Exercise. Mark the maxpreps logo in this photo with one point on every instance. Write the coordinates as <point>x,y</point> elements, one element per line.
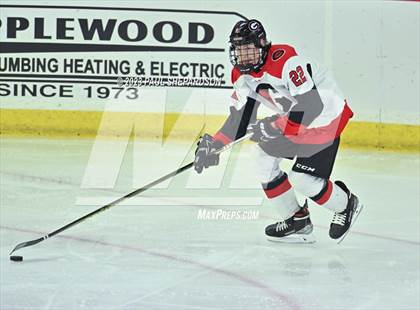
<point>69,29</point>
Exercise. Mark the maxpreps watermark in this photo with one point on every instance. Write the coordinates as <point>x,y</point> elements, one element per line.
<point>220,214</point>
<point>139,81</point>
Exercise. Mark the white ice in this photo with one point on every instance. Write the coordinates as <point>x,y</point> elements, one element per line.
<point>153,253</point>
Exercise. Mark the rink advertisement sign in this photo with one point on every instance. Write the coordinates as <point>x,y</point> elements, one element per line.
<point>90,55</point>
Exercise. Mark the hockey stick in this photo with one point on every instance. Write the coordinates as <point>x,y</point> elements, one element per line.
<point>115,202</point>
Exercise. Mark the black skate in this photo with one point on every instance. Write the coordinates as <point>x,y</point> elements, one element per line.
<point>297,229</point>
<point>341,222</point>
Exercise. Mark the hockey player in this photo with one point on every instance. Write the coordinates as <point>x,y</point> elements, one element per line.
<point>309,114</point>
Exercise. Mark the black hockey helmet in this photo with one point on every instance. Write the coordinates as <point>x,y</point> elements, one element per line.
<point>248,45</point>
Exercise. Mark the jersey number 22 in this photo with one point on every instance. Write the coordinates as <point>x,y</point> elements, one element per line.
<point>297,76</point>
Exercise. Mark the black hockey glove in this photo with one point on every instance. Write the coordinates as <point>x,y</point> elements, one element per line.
<point>203,157</point>
<point>263,131</point>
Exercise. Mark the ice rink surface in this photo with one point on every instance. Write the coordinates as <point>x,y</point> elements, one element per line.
<point>154,253</point>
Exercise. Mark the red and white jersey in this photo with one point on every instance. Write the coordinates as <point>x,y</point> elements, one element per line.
<point>286,74</point>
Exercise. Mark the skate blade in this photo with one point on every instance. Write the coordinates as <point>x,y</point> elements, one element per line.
<point>355,216</point>
<point>295,238</point>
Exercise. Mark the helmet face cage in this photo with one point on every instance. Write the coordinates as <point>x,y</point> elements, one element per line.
<point>248,46</point>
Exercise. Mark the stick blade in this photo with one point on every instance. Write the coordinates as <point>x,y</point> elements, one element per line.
<point>26,244</point>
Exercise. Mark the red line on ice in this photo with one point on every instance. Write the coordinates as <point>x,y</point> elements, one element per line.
<point>283,298</point>
<point>52,180</point>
